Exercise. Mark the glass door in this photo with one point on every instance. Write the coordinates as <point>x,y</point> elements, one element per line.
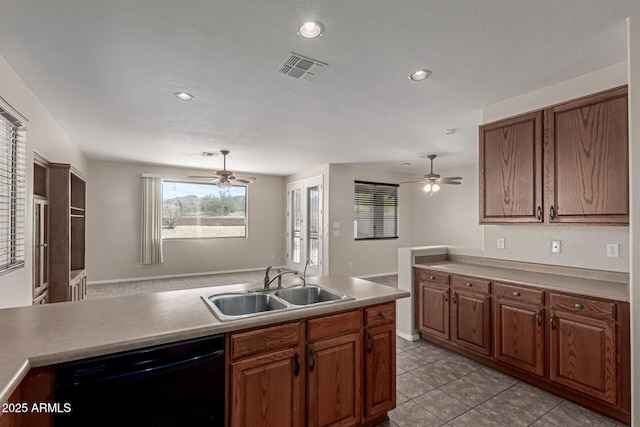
<point>305,225</point>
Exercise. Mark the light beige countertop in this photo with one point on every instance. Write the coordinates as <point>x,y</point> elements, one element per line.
<point>595,287</point>
<point>55,333</point>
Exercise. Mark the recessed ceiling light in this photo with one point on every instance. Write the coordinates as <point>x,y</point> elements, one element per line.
<point>419,75</point>
<point>184,96</point>
<point>310,30</point>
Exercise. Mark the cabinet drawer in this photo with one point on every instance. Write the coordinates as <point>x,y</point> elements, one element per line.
<point>476,285</point>
<point>584,306</point>
<point>432,276</point>
<point>337,324</point>
<point>518,293</point>
<point>380,314</point>
<point>262,340</point>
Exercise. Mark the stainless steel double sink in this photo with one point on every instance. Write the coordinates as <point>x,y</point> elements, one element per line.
<point>239,305</point>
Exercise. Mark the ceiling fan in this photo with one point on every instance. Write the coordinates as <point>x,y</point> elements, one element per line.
<point>433,180</point>
<point>225,178</point>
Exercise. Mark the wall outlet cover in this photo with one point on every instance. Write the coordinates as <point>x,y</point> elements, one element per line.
<point>500,243</point>
<point>613,250</point>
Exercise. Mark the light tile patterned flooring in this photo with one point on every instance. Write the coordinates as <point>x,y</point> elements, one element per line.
<point>435,387</point>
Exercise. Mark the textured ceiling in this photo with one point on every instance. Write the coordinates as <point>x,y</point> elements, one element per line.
<point>106,71</point>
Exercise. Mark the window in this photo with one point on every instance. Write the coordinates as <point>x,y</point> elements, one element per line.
<point>376,211</point>
<point>192,210</point>
<point>12,187</point>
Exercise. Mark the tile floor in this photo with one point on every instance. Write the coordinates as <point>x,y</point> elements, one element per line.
<point>435,387</point>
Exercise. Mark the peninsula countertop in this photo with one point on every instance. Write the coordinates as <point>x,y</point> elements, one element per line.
<point>55,333</point>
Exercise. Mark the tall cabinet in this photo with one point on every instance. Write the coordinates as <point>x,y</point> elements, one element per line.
<point>67,221</point>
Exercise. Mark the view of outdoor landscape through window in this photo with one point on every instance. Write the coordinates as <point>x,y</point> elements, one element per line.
<point>191,210</point>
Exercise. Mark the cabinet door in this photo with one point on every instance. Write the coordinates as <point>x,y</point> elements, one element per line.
<point>434,310</point>
<point>267,390</point>
<point>519,335</point>
<point>380,370</point>
<point>587,160</point>
<point>583,354</point>
<point>471,321</point>
<point>334,381</point>
<point>511,170</point>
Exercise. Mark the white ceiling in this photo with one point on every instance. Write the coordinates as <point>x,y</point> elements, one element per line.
<point>107,71</point>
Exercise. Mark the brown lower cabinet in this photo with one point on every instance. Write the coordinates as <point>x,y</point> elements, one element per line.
<point>575,346</point>
<point>314,372</point>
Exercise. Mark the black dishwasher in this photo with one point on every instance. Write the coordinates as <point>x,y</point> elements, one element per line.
<point>177,384</point>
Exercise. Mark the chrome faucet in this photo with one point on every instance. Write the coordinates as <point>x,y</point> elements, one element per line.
<point>304,273</point>
<point>279,274</point>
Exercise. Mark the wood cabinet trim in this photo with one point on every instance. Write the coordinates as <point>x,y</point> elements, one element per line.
<point>243,344</point>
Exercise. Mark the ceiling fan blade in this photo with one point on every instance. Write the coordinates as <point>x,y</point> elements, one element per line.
<point>413,182</point>
<point>243,181</point>
<point>201,176</point>
<point>453,177</point>
<point>451,182</point>
<point>248,178</point>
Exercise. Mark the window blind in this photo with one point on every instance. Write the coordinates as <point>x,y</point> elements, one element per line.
<point>376,211</point>
<point>12,187</point>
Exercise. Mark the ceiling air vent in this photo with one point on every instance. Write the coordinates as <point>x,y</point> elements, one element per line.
<point>208,154</point>
<point>300,67</point>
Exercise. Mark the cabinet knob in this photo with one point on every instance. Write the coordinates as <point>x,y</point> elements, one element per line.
<point>516,294</point>
<point>469,285</point>
<point>432,277</point>
<point>383,315</point>
<point>578,306</point>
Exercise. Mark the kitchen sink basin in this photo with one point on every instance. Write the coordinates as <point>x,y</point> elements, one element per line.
<point>310,294</point>
<point>240,305</point>
<point>234,306</point>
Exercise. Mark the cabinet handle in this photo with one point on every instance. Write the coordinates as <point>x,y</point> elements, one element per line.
<point>432,277</point>
<point>538,320</point>
<point>370,349</point>
<point>445,294</point>
<point>553,317</point>
<point>539,213</point>
<point>297,371</point>
<point>455,297</point>
<point>469,285</point>
<point>516,294</point>
<point>313,361</point>
<point>552,213</point>
<point>578,306</point>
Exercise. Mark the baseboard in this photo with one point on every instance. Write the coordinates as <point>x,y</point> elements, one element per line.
<point>407,337</point>
<point>169,276</point>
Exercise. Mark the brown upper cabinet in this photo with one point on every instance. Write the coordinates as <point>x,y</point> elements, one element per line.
<point>565,164</point>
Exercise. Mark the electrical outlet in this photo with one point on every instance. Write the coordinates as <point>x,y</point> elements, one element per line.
<point>555,246</point>
<point>613,250</point>
<point>500,243</point>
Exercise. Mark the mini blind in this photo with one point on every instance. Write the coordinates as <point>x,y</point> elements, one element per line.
<point>12,187</point>
<point>376,211</point>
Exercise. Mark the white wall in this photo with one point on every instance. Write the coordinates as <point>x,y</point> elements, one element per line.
<point>113,233</point>
<point>45,136</point>
<point>581,246</point>
<point>367,257</point>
